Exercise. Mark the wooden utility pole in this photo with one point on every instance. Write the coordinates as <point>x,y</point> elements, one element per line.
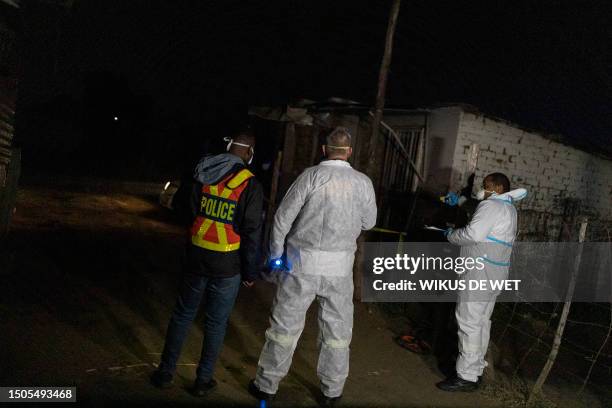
<point>377,117</point>
<point>382,86</point>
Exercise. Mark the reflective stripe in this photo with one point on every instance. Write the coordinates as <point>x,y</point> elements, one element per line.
<point>221,235</point>
<point>282,339</point>
<point>502,200</point>
<point>239,178</point>
<point>468,347</point>
<point>213,246</point>
<point>198,237</point>
<point>205,226</point>
<point>495,262</point>
<point>499,241</point>
<point>337,344</point>
<point>226,193</point>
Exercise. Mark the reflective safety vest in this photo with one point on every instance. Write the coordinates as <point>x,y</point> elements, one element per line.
<point>213,227</point>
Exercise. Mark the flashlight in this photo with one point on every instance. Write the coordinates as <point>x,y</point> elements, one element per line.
<point>280,263</point>
<point>277,263</point>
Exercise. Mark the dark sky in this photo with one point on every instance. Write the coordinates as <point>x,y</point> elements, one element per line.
<point>543,64</point>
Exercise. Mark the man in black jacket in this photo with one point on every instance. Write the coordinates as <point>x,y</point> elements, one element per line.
<point>226,205</point>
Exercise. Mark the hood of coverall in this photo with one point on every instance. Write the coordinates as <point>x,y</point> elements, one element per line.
<point>512,195</point>
<point>212,168</point>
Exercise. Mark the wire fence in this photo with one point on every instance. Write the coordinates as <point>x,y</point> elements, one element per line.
<point>584,357</point>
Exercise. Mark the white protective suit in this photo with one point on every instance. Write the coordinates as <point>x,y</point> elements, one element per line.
<point>319,220</point>
<point>490,235</point>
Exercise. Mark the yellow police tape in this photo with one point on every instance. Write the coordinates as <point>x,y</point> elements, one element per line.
<point>388,231</point>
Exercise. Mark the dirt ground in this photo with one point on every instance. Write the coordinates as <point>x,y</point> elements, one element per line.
<point>90,273</point>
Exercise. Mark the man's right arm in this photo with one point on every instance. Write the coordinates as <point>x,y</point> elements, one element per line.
<point>251,202</point>
<point>287,212</point>
<point>479,227</point>
<point>368,218</point>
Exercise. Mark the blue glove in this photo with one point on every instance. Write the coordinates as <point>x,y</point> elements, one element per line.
<point>451,199</point>
<point>447,232</point>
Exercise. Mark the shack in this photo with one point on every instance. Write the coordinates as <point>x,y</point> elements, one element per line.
<point>301,129</point>
<point>424,153</point>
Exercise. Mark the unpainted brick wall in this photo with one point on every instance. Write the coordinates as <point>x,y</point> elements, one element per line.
<point>554,174</point>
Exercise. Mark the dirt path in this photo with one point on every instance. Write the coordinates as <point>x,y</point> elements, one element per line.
<point>90,281</point>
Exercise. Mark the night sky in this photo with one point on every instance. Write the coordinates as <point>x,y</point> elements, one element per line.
<point>169,64</point>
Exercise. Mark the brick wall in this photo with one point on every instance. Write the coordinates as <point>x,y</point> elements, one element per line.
<point>556,175</point>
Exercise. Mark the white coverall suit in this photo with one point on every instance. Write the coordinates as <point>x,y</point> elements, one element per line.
<point>321,217</point>
<point>490,235</point>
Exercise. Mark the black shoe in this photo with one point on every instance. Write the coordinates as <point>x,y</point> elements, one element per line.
<point>259,394</point>
<point>202,389</point>
<point>448,369</point>
<point>330,401</point>
<point>457,384</point>
<point>161,379</point>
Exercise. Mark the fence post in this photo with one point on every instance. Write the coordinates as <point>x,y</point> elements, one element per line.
<point>537,388</point>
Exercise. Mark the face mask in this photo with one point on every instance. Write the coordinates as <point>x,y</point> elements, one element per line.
<point>231,142</point>
<point>480,195</point>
